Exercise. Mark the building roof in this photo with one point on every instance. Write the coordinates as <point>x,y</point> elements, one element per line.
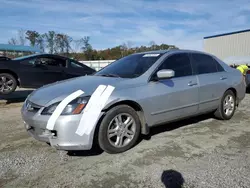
<point>18,48</point>
<point>224,34</point>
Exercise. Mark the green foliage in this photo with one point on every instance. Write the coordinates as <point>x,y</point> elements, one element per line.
<point>81,49</point>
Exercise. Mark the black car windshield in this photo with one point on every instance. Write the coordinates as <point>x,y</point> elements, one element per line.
<point>130,66</point>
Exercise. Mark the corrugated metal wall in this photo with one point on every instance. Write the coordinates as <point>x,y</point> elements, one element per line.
<point>228,45</point>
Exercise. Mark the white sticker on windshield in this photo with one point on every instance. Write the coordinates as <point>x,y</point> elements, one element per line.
<point>151,55</point>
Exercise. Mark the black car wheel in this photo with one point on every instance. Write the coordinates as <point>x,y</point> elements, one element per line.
<point>8,83</point>
<point>119,129</point>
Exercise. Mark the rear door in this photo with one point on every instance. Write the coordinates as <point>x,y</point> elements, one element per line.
<point>178,96</point>
<point>212,80</point>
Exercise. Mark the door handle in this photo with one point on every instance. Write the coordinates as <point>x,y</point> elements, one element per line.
<point>223,78</point>
<point>192,83</point>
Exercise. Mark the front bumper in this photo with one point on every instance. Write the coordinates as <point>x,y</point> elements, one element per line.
<point>63,137</point>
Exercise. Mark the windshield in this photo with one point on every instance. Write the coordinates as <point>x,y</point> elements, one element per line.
<point>24,57</point>
<point>130,66</point>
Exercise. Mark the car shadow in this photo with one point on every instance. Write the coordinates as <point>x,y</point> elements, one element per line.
<point>172,179</point>
<point>175,125</point>
<point>15,97</point>
<point>92,152</point>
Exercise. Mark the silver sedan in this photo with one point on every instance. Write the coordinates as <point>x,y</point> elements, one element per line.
<point>113,107</point>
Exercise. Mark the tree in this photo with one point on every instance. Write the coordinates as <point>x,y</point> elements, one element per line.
<point>77,45</point>
<point>67,43</point>
<point>13,41</point>
<point>21,37</point>
<point>152,45</point>
<point>32,36</point>
<point>50,39</point>
<point>87,48</point>
<point>41,42</point>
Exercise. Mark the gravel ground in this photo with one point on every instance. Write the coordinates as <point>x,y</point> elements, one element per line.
<point>200,152</point>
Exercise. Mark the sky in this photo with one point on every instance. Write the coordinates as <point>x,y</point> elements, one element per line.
<point>182,23</point>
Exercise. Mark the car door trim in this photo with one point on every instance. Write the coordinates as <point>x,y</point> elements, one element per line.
<point>173,109</point>
<point>210,100</point>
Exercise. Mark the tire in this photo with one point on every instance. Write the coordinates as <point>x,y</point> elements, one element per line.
<point>113,145</point>
<point>8,83</point>
<point>220,112</point>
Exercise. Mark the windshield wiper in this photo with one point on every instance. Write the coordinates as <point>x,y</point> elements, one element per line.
<point>110,75</point>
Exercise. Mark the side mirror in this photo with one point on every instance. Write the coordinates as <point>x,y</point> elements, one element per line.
<point>165,73</point>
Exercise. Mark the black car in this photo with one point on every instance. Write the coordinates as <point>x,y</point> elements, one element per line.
<point>36,70</point>
<point>3,58</point>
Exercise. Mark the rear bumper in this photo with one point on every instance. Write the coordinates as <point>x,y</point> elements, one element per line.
<point>63,137</point>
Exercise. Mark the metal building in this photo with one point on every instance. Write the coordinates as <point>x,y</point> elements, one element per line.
<point>17,50</point>
<point>234,44</point>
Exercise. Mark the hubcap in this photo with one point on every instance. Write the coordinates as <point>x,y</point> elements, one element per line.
<point>6,84</point>
<point>228,105</point>
<point>121,130</point>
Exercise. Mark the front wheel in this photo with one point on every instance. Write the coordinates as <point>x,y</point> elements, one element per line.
<point>8,83</point>
<point>119,130</point>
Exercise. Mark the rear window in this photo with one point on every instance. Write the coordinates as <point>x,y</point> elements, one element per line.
<point>204,64</point>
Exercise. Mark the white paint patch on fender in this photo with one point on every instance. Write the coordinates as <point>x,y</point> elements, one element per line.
<point>91,114</point>
<point>60,108</point>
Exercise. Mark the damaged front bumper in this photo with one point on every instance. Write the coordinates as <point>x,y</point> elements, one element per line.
<point>63,137</point>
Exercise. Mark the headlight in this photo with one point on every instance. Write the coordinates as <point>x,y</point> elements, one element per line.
<point>74,107</point>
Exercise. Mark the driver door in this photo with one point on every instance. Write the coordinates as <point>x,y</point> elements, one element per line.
<point>42,70</point>
<point>174,97</point>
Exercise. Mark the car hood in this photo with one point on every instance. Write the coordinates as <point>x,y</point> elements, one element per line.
<point>59,90</point>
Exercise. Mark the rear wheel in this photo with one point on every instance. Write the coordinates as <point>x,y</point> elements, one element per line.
<point>119,129</point>
<point>227,106</point>
<point>8,83</point>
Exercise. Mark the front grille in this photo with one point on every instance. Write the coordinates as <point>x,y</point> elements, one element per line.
<point>32,107</point>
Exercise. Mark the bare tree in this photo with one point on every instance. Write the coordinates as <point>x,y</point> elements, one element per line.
<point>77,45</point>
<point>50,38</point>
<point>21,37</point>
<point>13,41</point>
<point>41,42</point>
<point>152,44</point>
<point>87,48</point>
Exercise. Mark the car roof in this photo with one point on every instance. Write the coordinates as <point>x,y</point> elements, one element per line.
<point>172,50</point>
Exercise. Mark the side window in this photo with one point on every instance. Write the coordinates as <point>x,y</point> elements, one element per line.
<point>204,64</point>
<point>31,61</point>
<point>75,64</point>
<point>51,62</point>
<point>180,63</point>
<point>219,67</point>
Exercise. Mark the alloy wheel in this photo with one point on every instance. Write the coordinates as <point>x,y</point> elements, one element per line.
<point>121,130</point>
<point>228,105</point>
<point>6,84</point>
